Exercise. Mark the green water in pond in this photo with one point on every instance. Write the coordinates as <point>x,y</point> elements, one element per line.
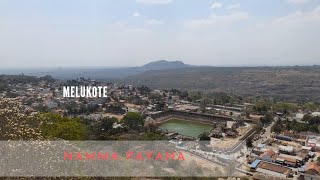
<point>186,128</point>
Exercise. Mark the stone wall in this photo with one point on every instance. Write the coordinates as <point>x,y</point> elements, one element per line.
<point>196,117</point>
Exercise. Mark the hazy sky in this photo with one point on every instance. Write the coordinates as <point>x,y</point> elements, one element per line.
<point>55,33</point>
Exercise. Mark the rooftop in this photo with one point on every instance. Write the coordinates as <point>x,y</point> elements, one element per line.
<point>274,168</point>
<point>313,166</point>
<point>286,148</point>
<point>255,163</point>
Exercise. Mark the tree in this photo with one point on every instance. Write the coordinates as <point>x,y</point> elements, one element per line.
<point>285,108</point>
<point>259,128</point>
<point>262,107</point>
<point>314,120</point>
<point>267,119</point>
<point>204,137</point>
<point>144,90</point>
<point>277,127</point>
<point>249,143</point>
<point>155,97</point>
<point>313,128</point>
<point>56,126</point>
<point>107,123</point>
<point>133,120</point>
<point>311,106</point>
<point>194,96</point>
<point>104,129</point>
<point>184,95</point>
<point>159,106</point>
<point>16,125</point>
<point>300,127</point>
<point>22,138</point>
<point>151,127</point>
<point>306,118</point>
<point>115,108</point>
<point>47,78</point>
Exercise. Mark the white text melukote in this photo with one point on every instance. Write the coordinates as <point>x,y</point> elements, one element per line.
<point>85,91</point>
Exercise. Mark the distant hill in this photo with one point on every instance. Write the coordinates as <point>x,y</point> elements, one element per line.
<point>163,64</point>
<point>99,73</point>
<point>290,83</point>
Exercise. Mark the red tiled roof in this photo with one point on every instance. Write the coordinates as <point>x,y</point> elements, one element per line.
<point>313,166</point>
<point>273,167</point>
<point>268,153</point>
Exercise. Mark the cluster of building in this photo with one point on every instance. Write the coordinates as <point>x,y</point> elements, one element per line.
<point>282,155</point>
<point>287,156</point>
<point>48,96</point>
<point>226,129</point>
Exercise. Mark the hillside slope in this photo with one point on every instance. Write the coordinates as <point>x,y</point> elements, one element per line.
<point>285,82</point>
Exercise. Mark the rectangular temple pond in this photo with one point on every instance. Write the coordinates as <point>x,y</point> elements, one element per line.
<point>187,128</point>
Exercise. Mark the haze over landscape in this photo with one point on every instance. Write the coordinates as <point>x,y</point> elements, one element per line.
<point>233,46</point>
<point>180,89</point>
<point>81,33</point>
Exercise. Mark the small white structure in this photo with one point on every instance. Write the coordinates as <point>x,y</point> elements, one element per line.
<point>315,114</point>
